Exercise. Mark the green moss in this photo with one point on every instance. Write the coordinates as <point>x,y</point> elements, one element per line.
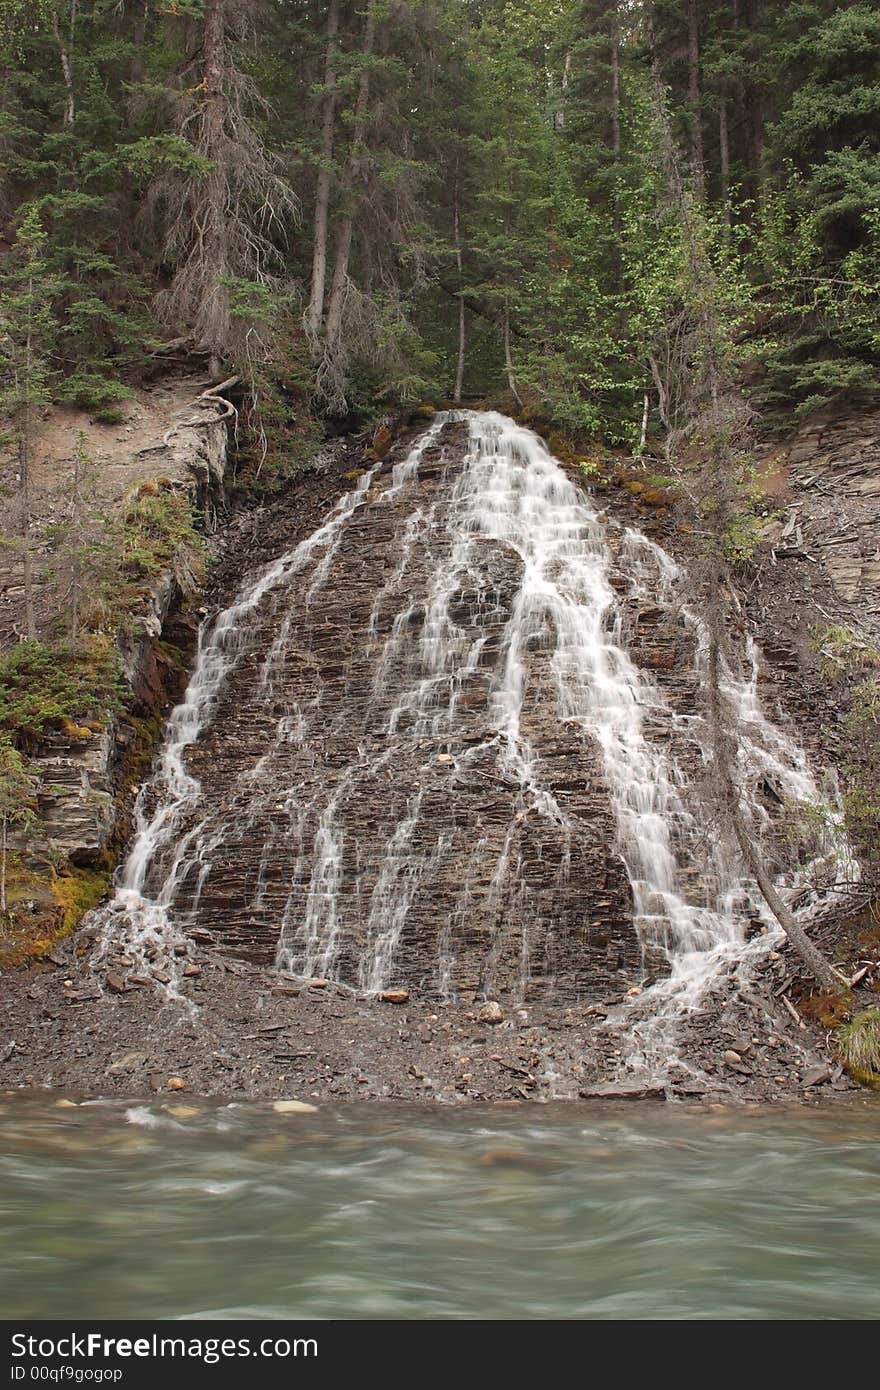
<point>77,891</point>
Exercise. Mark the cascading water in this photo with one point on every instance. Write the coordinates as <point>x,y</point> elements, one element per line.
<point>463,750</point>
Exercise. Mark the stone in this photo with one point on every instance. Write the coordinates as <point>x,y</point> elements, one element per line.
<point>129,1062</point>
<point>394,996</point>
<point>115,982</point>
<point>190,971</point>
<point>175,1083</point>
<point>818,1075</point>
<point>491,1012</point>
<point>182,1112</point>
<point>612,1092</point>
<point>294,1107</point>
<point>731,1058</point>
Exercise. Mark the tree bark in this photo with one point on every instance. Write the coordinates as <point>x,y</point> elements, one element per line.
<point>216,246</point>
<point>25,431</point>
<point>508,358</point>
<point>137,69</point>
<point>315,311</point>
<point>615,92</point>
<point>352,168</point>
<point>3,866</point>
<point>66,68</point>
<point>462,331</point>
<point>695,97</point>
<point>560,117</point>
<point>821,969</point>
<point>724,156</point>
<point>616,147</point>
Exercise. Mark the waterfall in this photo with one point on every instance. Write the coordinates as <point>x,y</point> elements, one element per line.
<point>465,750</point>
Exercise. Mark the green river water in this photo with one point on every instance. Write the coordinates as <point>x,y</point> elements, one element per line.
<point>637,1212</point>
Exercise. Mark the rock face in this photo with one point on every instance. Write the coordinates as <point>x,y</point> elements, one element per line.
<point>76,770</point>
<point>834,472</point>
<point>308,710</point>
<point>449,744</point>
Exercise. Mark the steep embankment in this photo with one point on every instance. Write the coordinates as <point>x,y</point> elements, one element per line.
<point>106,503</point>
<point>383,820</point>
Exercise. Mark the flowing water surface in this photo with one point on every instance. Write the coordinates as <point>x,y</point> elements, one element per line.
<point>194,1209</point>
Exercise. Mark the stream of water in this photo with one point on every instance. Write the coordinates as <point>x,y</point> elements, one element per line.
<point>201,1210</point>
<point>575,579</point>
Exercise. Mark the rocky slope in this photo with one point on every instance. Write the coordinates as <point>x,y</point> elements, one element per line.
<point>96,1030</point>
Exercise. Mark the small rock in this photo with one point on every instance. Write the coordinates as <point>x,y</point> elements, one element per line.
<point>294,1107</point>
<point>115,982</point>
<point>634,1092</point>
<point>286,991</point>
<point>176,1083</point>
<point>732,1058</point>
<point>182,1112</point>
<point>65,1104</point>
<point>445,758</point>
<point>317,984</point>
<point>818,1075</point>
<point>189,971</point>
<point>129,1062</point>
<point>394,996</point>
<point>491,1012</point>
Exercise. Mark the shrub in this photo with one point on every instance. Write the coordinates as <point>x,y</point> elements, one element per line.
<point>41,687</point>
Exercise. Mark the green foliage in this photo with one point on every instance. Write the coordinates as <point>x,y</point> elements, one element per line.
<point>858,1044</point>
<point>17,804</point>
<point>159,532</point>
<point>41,687</point>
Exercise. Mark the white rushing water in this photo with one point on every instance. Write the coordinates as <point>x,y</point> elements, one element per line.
<point>580,575</point>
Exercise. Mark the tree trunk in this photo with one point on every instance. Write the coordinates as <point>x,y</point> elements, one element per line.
<point>216,245</point>
<point>560,118</point>
<point>616,146</point>
<point>315,311</point>
<point>821,969</point>
<point>66,68</point>
<point>346,227</point>
<point>25,430</point>
<point>724,156</point>
<point>615,93</point>
<point>695,97</point>
<point>508,359</point>
<point>3,866</point>
<point>137,69</point>
<point>75,575</point>
<point>462,331</point>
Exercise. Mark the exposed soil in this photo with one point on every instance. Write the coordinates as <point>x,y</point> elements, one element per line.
<point>116,459</point>
<point>242,1030</point>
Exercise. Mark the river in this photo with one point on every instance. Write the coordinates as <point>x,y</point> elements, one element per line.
<point>185,1208</point>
